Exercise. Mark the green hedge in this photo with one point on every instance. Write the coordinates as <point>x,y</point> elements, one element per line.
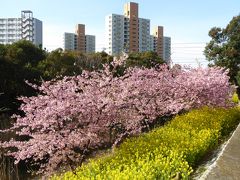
<point>171,151</point>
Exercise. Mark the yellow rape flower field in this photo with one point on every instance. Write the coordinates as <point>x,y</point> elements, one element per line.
<point>168,152</point>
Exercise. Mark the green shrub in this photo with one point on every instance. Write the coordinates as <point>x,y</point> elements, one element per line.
<point>235,98</point>
<point>171,151</point>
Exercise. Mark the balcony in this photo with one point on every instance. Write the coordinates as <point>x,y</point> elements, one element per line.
<point>27,24</point>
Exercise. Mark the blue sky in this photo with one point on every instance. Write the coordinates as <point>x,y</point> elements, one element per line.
<point>187,22</point>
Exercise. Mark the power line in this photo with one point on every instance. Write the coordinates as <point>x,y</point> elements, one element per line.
<point>189,53</point>
<point>192,47</point>
<point>193,56</point>
<point>190,43</point>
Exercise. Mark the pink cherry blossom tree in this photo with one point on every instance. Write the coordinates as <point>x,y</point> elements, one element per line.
<point>77,115</point>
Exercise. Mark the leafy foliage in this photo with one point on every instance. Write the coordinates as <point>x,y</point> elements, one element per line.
<point>58,63</point>
<point>143,59</point>
<point>24,53</point>
<point>76,115</point>
<point>147,59</point>
<point>168,152</point>
<point>18,63</point>
<point>224,48</point>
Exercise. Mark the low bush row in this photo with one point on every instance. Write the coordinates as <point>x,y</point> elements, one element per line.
<point>171,151</point>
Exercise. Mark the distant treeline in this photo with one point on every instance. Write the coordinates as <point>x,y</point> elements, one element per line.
<point>23,61</point>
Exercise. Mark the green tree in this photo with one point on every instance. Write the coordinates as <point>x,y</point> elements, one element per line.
<point>92,61</point>
<point>224,49</point>
<point>24,53</point>
<point>12,83</point>
<point>144,59</point>
<point>3,51</point>
<point>18,62</point>
<point>59,63</point>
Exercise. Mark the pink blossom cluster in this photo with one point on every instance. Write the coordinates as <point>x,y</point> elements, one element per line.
<point>76,115</point>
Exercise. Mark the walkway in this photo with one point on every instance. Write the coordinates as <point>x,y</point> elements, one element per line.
<point>227,166</point>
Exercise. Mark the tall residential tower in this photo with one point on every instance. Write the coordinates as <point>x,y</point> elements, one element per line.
<point>131,21</point>
<point>79,41</point>
<point>167,49</point>
<point>158,40</point>
<point>25,27</point>
<point>129,33</point>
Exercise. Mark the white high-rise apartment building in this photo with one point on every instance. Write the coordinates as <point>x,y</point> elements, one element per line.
<point>90,43</point>
<point>27,27</point>
<point>144,35</point>
<point>10,30</point>
<point>167,49</point>
<point>70,41</point>
<point>152,43</point>
<point>115,34</point>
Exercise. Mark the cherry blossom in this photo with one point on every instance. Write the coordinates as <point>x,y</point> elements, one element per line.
<point>77,115</point>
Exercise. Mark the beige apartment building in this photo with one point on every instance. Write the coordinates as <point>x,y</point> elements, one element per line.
<point>131,12</point>
<point>158,38</point>
<point>80,32</point>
